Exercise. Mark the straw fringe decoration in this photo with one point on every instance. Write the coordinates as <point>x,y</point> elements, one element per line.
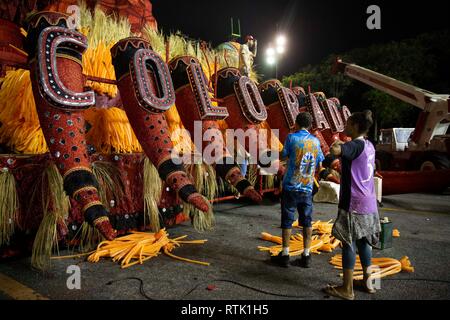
<point>201,221</point>
<point>179,46</point>
<point>152,194</point>
<point>204,179</point>
<point>56,205</point>
<point>252,173</point>
<point>269,181</point>
<point>8,206</point>
<point>110,183</point>
<point>97,59</point>
<point>89,237</point>
<point>20,129</point>
<point>225,188</point>
<point>111,131</point>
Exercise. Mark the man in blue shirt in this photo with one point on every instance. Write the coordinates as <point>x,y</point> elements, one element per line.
<point>304,157</point>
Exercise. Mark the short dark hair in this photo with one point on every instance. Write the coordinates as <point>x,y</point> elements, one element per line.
<point>304,120</point>
<point>362,119</point>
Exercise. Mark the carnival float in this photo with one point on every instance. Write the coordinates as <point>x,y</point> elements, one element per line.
<point>95,111</point>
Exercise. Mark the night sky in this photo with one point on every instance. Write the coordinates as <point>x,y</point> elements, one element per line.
<point>314,28</point>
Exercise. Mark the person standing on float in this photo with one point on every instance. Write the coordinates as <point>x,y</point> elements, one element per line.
<point>247,55</point>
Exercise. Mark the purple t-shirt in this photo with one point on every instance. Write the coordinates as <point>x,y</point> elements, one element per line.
<point>357,193</point>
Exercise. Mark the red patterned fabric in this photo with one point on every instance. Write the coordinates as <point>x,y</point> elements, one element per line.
<point>63,127</point>
<point>323,144</point>
<point>86,197</point>
<point>329,136</point>
<point>276,120</point>
<point>28,170</point>
<point>194,106</point>
<point>236,120</point>
<point>186,106</point>
<point>151,128</point>
<point>187,109</point>
<point>64,131</point>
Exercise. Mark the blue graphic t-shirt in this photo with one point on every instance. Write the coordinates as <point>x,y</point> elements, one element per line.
<point>305,155</point>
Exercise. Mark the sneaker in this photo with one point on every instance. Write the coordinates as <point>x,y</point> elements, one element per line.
<point>280,260</point>
<point>303,262</point>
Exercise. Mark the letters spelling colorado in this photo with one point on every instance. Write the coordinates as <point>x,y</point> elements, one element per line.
<point>230,309</point>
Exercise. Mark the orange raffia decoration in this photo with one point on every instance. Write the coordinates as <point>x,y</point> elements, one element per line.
<point>138,247</point>
<point>382,267</point>
<point>323,241</point>
<point>295,246</point>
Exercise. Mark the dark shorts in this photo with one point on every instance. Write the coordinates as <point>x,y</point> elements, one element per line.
<point>291,200</point>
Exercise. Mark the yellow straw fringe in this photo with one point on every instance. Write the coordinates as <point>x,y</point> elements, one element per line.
<point>8,206</point>
<point>201,221</point>
<point>102,32</point>
<point>110,183</point>
<point>152,187</point>
<point>89,237</point>
<point>55,208</point>
<point>20,129</point>
<point>204,178</point>
<point>111,131</point>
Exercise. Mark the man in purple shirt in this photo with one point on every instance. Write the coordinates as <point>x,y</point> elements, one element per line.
<point>357,224</point>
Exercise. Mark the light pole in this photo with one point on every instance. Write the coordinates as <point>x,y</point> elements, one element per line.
<point>273,54</point>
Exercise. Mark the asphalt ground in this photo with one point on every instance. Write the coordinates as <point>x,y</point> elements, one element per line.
<point>423,221</point>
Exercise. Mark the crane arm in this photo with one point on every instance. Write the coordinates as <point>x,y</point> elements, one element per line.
<point>435,116</point>
<point>408,93</point>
